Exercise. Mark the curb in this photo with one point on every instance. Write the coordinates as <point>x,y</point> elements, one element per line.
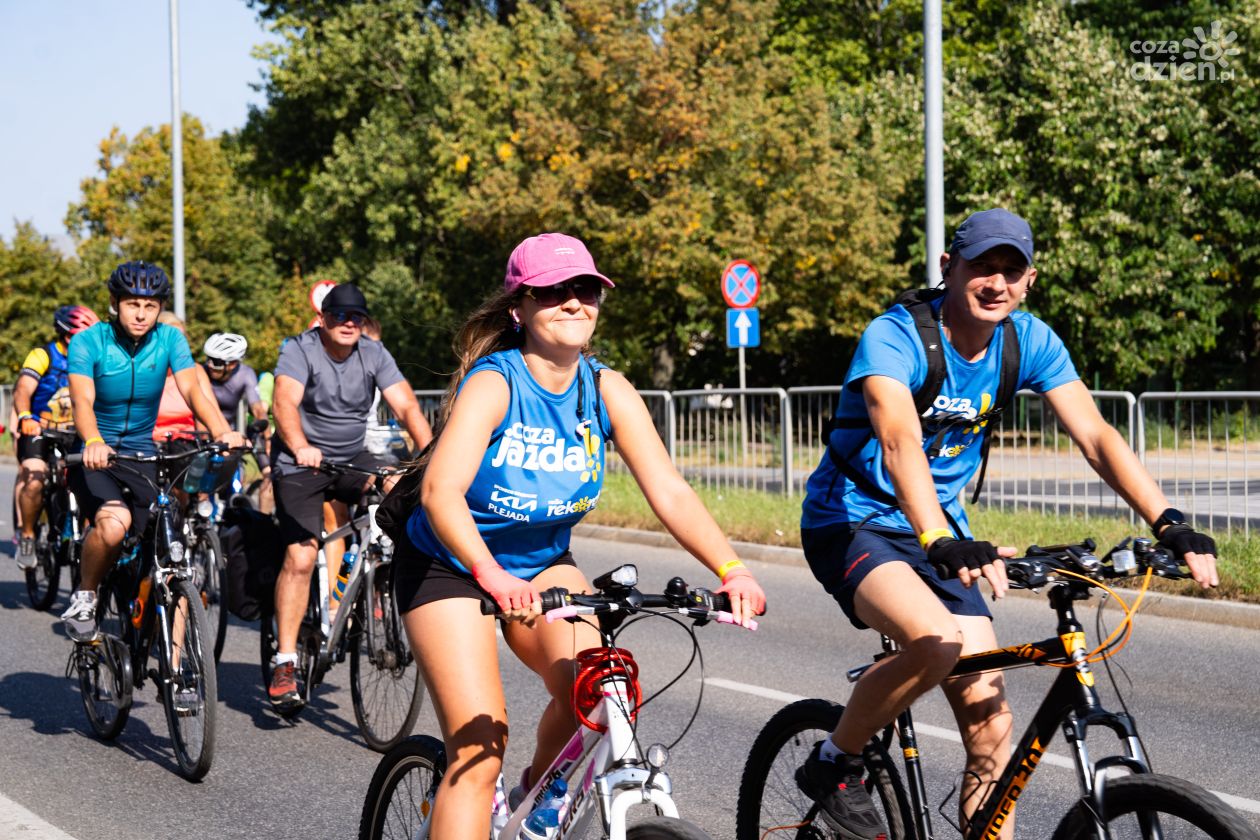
<point>1203,610</point>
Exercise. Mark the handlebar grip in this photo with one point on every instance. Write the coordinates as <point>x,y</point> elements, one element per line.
<point>488,606</point>
<point>561,613</point>
<point>74,459</point>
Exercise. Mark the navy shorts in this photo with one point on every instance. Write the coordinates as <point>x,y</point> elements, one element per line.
<point>841,559</point>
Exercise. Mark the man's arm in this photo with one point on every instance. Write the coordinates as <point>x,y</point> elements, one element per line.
<point>83,407</point>
<point>1110,456</point>
<point>22,394</point>
<point>285,404</point>
<point>204,407</point>
<point>896,426</point>
<point>402,401</point>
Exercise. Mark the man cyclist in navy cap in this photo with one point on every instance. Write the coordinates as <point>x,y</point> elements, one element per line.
<point>883,527</point>
<point>326,379</point>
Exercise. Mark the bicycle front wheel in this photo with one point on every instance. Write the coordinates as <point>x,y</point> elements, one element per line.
<point>104,666</point>
<point>208,565</point>
<point>665,828</point>
<point>42,580</point>
<point>189,686</point>
<point>1154,807</point>
<point>769,799</point>
<point>399,799</point>
<point>385,683</point>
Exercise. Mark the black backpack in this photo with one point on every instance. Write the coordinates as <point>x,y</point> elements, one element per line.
<point>927,322</point>
<point>253,551</point>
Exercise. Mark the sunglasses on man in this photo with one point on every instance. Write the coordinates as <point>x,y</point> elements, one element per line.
<point>218,364</point>
<point>343,316</point>
<point>588,290</point>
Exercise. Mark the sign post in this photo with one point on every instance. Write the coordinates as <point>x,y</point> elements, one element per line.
<point>741,286</point>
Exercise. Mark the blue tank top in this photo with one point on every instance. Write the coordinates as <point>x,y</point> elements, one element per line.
<point>541,474</point>
<point>53,380</point>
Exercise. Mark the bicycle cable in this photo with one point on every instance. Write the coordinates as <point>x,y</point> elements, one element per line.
<point>696,654</point>
<point>1099,628</point>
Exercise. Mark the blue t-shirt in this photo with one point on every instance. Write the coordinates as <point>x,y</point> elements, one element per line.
<point>128,387</point>
<point>891,347</point>
<point>542,472</point>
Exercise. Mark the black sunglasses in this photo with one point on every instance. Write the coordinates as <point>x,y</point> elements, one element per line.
<point>588,291</point>
<point>342,316</point>
<point>217,364</point>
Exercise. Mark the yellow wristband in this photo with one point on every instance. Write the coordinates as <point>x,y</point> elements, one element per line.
<point>93,440</point>
<point>728,567</point>
<point>929,537</point>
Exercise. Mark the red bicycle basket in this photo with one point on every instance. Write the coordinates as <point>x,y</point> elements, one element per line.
<point>595,666</point>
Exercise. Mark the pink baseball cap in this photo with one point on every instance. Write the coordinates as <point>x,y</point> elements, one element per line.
<point>548,259</point>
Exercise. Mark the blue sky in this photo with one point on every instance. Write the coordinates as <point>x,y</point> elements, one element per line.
<point>72,69</point>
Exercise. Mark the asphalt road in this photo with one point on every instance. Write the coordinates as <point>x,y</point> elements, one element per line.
<point>1191,687</point>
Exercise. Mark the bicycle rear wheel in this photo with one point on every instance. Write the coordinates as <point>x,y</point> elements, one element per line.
<point>189,686</point>
<point>43,579</point>
<point>104,666</point>
<point>400,796</point>
<point>1150,806</point>
<point>769,799</point>
<point>385,683</point>
<point>207,563</point>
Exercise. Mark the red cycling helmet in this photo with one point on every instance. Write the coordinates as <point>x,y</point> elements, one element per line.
<point>73,319</point>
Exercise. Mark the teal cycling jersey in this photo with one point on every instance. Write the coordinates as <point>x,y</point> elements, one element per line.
<point>129,377</point>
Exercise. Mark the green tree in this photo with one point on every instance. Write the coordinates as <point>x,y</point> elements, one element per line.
<point>125,214</point>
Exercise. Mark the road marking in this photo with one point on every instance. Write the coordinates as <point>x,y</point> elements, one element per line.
<point>21,824</point>
<point>1238,803</point>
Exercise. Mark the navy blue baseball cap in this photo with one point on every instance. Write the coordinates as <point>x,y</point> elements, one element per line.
<point>989,229</point>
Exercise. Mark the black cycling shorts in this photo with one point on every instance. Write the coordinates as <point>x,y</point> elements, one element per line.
<point>420,579</point>
<point>32,447</point>
<point>122,482</point>
<point>300,495</point>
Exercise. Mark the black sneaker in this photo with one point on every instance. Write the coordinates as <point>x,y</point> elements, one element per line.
<point>843,801</point>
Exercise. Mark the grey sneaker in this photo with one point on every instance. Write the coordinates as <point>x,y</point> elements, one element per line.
<point>26,554</point>
<point>80,617</point>
<point>843,801</point>
<point>187,700</point>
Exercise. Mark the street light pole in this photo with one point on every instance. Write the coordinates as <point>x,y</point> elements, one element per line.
<point>177,166</point>
<point>933,156</point>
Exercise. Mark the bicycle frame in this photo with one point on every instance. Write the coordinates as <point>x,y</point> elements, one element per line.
<point>1071,704</point>
<point>332,629</point>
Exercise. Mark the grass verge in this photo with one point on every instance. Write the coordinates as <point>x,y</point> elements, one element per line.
<point>774,519</point>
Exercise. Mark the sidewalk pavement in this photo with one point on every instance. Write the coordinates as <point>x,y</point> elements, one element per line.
<point>1205,610</point>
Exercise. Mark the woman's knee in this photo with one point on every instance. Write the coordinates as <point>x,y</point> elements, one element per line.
<point>475,751</point>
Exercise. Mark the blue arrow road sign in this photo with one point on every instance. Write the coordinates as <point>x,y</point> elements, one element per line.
<point>743,328</point>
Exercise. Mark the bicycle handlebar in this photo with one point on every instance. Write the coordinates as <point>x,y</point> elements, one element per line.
<point>699,604</point>
<point>336,467</point>
<point>1132,556</point>
<point>76,458</point>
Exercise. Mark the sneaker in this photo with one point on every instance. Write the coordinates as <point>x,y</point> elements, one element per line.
<point>517,795</point>
<point>843,801</point>
<point>187,701</point>
<point>26,554</point>
<point>283,691</point>
<point>80,617</point>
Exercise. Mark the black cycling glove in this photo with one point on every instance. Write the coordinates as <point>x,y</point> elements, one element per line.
<point>948,555</point>
<point>1181,540</point>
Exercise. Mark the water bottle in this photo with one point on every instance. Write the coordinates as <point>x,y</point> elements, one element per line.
<point>397,445</point>
<point>192,475</point>
<point>211,476</point>
<point>557,798</point>
<point>343,577</point>
<point>543,824</point>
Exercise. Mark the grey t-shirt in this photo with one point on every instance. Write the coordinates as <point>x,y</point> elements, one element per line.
<point>241,385</point>
<point>338,396</point>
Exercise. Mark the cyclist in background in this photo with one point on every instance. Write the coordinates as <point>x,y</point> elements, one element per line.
<point>117,371</point>
<point>519,460</point>
<point>231,379</point>
<point>325,379</point>
<point>42,384</point>
<point>883,527</point>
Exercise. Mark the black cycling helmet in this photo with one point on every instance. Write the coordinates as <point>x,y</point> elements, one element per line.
<point>139,279</point>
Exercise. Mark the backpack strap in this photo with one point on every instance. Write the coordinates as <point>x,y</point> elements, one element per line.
<point>1007,385</point>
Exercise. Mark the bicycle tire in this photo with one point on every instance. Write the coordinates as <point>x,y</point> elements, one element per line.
<point>386,686</point>
<point>104,666</point>
<point>769,797</point>
<point>207,561</point>
<point>43,579</point>
<point>665,828</point>
<point>191,724</point>
<point>1127,800</point>
<point>400,796</point>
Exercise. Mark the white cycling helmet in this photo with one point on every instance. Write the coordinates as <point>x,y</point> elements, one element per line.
<point>228,347</point>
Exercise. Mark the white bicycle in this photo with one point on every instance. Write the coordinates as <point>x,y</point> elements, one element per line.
<point>602,763</point>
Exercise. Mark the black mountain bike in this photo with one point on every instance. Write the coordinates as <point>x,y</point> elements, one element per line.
<point>149,606</point>
<point>1135,804</point>
<point>58,531</point>
<point>385,684</point>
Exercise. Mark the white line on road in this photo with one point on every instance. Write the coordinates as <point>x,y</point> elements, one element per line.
<point>20,824</point>
<point>1237,802</point>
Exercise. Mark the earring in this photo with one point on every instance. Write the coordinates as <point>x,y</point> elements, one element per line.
<point>516,322</point>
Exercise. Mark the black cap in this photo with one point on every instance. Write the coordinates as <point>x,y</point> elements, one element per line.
<point>345,297</point>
